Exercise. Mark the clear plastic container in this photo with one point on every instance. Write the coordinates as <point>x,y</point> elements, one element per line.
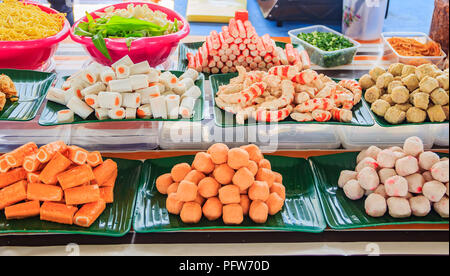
<point>394,57</point>
<point>185,135</point>
<point>321,57</point>
<point>441,135</point>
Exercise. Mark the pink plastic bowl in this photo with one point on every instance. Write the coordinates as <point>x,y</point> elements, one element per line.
<point>31,54</point>
<point>155,50</point>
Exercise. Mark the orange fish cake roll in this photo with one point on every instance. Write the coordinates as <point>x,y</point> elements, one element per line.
<point>44,192</point>
<point>203,163</point>
<point>238,158</point>
<point>254,152</point>
<point>243,179</point>
<point>258,211</point>
<point>12,176</point>
<point>105,171</point>
<point>16,157</point>
<point>223,174</point>
<point>57,165</point>
<point>13,193</point>
<point>111,182</point>
<point>194,176</point>
<point>187,191</point>
<point>173,205</point>
<point>89,213</point>
<point>208,187</point>
<point>33,177</point>
<point>163,182</point>
<point>76,176</point>
<point>275,203</point>
<point>94,159</point>
<point>23,210</point>
<point>212,209</point>
<point>180,171</point>
<point>47,152</point>
<point>232,214</point>
<point>107,194</point>
<point>191,212</point>
<point>259,191</point>
<point>77,155</point>
<point>229,194</point>
<point>245,204</point>
<point>219,153</point>
<point>82,194</point>
<point>31,163</point>
<point>266,175</point>
<point>57,212</point>
<point>173,188</point>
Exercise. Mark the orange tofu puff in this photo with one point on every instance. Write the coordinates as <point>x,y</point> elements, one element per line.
<point>57,165</point>
<point>212,209</point>
<point>77,155</point>
<point>259,191</point>
<point>243,178</point>
<point>264,163</point>
<point>163,182</point>
<point>219,153</point>
<point>12,176</point>
<point>31,163</point>
<point>107,194</point>
<point>223,174</point>
<point>180,171</point>
<point>23,210</point>
<point>254,152</point>
<point>82,194</point>
<point>191,212</point>
<point>44,192</point>
<point>187,191</point>
<point>203,163</point>
<point>173,205</point>
<point>76,176</point>
<point>258,211</point>
<point>47,152</point>
<point>173,188</point>
<point>253,167</point>
<point>16,157</point>
<point>94,159</point>
<point>279,189</point>
<point>13,194</point>
<point>232,214</point>
<point>57,212</point>
<point>275,203</point>
<point>89,213</point>
<point>230,194</point>
<point>208,187</point>
<point>265,175</point>
<point>245,204</point>
<point>238,158</point>
<point>194,176</point>
<point>104,172</point>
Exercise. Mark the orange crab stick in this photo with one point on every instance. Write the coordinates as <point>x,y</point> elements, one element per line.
<point>77,155</point>
<point>23,210</point>
<point>4,166</point>
<point>107,194</point>
<point>12,176</point>
<point>47,152</point>
<point>82,194</point>
<point>31,163</point>
<point>33,177</point>
<point>57,212</point>
<point>94,159</point>
<point>44,192</point>
<point>111,181</point>
<point>105,171</point>
<point>16,157</point>
<point>76,177</point>
<point>57,165</point>
<point>89,213</point>
<point>13,194</point>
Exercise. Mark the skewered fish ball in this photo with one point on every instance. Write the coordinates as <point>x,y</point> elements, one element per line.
<point>384,80</point>
<point>375,205</point>
<point>415,183</point>
<point>384,174</point>
<point>396,186</point>
<point>428,84</point>
<point>406,166</point>
<point>372,94</point>
<point>436,114</point>
<point>413,146</point>
<point>346,176</point>
<point>386,159</point>
<point>415,115</point>
<point>434,190</point>
<point>400,94</point>
<point>399,207</point>
<point>366,162</point>
<point>366,81</point>
<point>427,159</point>
<point>420,206</point>
<point>368,179</point>
<point>441,207</point>
<point>380,107</point>
<point>396,69</point>
<point>376,72</point>
<point>353,190</point>
<point>395,116</point>
<point>439,96</point>
<point>439,171</point>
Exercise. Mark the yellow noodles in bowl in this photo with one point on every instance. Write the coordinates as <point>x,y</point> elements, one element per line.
<point>20,22</point>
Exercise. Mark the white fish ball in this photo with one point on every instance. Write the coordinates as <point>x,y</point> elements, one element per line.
<point>427,176</point>
<point>375,205</point>
<point>367,162</point>
<point>441,207</point>
<point>428,159</point>
<point>373,152</point>
<point>446,185</point>
<point>353,190</point>
<point>408,195</point>
<point>399,154</point>
<point>368,179</point>
<point>399,207</point>
<point>434,190</point>
<point>396,149</point>
<point>396,186</point>
<point>406,166</point>
<point>440,172</point>
<point>384,174</point>
<point>381,190</point>
<point>415,183</point>
<point>420,206</point>
<point>386,159</point>
<point>413,146</point>
<point>361,156</point>
<point>345,176</point>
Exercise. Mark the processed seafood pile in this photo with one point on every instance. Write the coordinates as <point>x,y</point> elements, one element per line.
<point>285,91</point>
<point>7,90</point>
<point>406,181</point>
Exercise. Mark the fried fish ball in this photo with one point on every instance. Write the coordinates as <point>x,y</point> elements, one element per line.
<point>243,178</point>
<point>408,70</point>
<point>253,167</point>
<point>396,186</point>
<point>427,159</point>
<point>219,153</point>
<point>163,182</point>
<point>385,174</point>
<point>254,152</point>
<point>265,175</point>
<point>238,158</point>
<point>229,194</point>
<point>424,70</point>
<point>420,206</point>
<point>406,166</point>
<point>375,205</point>
<point>278,177</point>
<point>443,81</point>
<point>400,95</point>
<point>259,211</point>
<point>380,107</point>
<point>386,159</point>
<point>212,209</point>
<point>413,146</point>
<point>345,176</point>
<point>264,163</point>
<point>416,115</point>
<point>233,214</point>
<point>366,81</point>
<point>395,116</point>
<point>384,80</point>
<point>245,204</point>
<point>392,85</point>
<point>194,176</point>
<point>203,163</point>
<point>279,189</point>
<point>381,190</point>
<point>387,98</point>
<point>403,107</point>
<point>445,108</point>
<point>396,69</point>
<point>180,171</point>
<point>434,190</point>
<point>173,205</point>
<point>368,179</point>
<point>173,188</point>
<point>199,199</point>
<point>421,100</point>
<point>399,207</point>
<point>439,171</point>
<point>208,187</point>
<point>187,191</point>
<point>415,183</point>
<point>372,94</point>
<point>366,162</point>
<point>428,84</point>
<point>376,72</point>
<point>191,212</point>
<point>436,113</point>
<point>223,174</point>
<point>411,82</point>
<point>259,190</point>
<point>353,190</point>
<point>275,203</point>
<point>442,207</point>
<point>439,96</point>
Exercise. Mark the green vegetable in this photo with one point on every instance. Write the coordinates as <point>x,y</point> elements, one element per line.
<point>100,44</point>
<point>326,41</point>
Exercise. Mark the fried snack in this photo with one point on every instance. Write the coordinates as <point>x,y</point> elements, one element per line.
<point>275,203</point>
<point>163,182</point>
<point>416,115</point>
<point>180,171</point>
<point>376,72</point>
<point>212,209</point>
<point>208,187</point>
<point>400,95</point>
<point>7,86</point>
<point>219,153</point>
<point>203,163</point>
<point>380,107</point>
<point>233,214</point>
<point>372,94</point>
<point>173,205</point>
<point>428,84</point>
<point>191,212</point>
<point>411,82</point>
<point>392,85</point>
<point>259,211</point>
<point>366,81</point>
<point>187,191</point>
<point>384,80</point>
<point>436,113</point>
<point>223,174</point>
<point>396,69</point>
<point>421,100</point>
<point>395,116</point>
<point>443,81</point>
<point>2,100</point>
<point>243,178</point>
<point>439,96</point>
<point>387,98</point>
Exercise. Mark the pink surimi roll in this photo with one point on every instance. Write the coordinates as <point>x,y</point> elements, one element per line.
<point>229,63</point>
<point>225,69</point>
<point>238,40</point>
<point>241,58</point>
<point>254,53</point>
<point>232,57</point>
<point>281,55</point>
<point>233,28</point>
<point>212,64</point>
<point>249,59</point>
<point>290,53</point>
<point>236,52</point>
<point>224,58</point>
<point>198,64</point>
<point>219,64</point>
<point>253,65</point>
<point>228,51</point>
<point>268,58</point>
<point>215,70</point>
<point>217,58</point>
<point>268,43</point>
<point>249,28</point>
<point>242,47</point>
<point>246,52</point>
<point>241,29</point>
<point>226,35</point>
<point>215,40</point>
<point>221,52</point>
<point>258,59</point>
<point>305,59</point>
<point>251,47</point>
<point>206,70</point>
<point>262,65</point>
<point>191,60</point>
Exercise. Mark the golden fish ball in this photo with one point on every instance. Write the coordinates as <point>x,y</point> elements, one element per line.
<point>229,194</point>
<point>275,203</point>
<point>232,214</point>
<point>199,199</point>
<point>223,174</point>
<point>279,189</point>
<point>203,163</point>
<point>243,178</point>
<point>180,171</point>
<point>259,211</point>
<point>278,177</point>
<point>187,191</point>
<point>253,167</point>
<point>194,176</point>
<point>163,182</point>
<point>238,158</point>
<point>219,153</point>
<point>264,163</point>
<point>208,187</point>
<point>212,209</point>
<point>254,152</point>
<point>266,175</point>
<point>259,191</point>
<point>245,204</point>
<point>173,205</point>
<point>173,188</point>
<point>244,192</point>
<point>191,212</point>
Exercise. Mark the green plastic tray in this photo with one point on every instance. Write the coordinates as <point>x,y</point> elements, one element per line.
<point>342,213</point>
<point>361,113</point>
<point>302,211</point>
<point>49,115</point>
<point>32,87</point>
<point>115,221</point>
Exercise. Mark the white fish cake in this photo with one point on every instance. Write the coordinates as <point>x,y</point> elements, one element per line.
<point>406,166</point>
<point>368,179</point>
<point>159,108</point>
<point>353,190</point>
<point>179,88</point>
<point>144,111</point>
<point>434,190</point>
<point>345,176</point>
<point>188,83</point>
<point>102,114</point>
<point>148,93</point>
<point>399,207</point>
<point>386,159</point>
<point>123,85</point>
<point>173,105</point>
<point>415,183</point>
<point>117,113</point>
<point>442,207</point>
<point>153,75</point>
<point>79,107</point>
<point>385,174</point>
<point>190,74</point>
<point>107,75</point>
<point>125,60</point>
<point>139,81</point>
<point>92,101</point>
<point>130,113</point>
<point>56,95</point>
<point>367,162</point>
<point>427,159</point>
<point>396,186</point>
<point>193,92</point>
<point>413,146</point>
<point>440,171</point>
<point>140,68</point>
<point>420,206</point>
<point>109,100</point>
<point>93,89</point>
<point>375,205</point>
<point>65,116</point>
<point>70,93</point>
<point>132,100</point>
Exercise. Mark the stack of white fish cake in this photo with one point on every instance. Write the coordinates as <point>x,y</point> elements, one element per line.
<point>126,91</point>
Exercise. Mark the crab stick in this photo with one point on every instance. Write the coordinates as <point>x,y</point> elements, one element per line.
<point>77,155</point>
<point>44,192</point>
<point>82,194</point>
<point>13,193</point>
<point>33,177</point>
<point>226,35</point>
<point>4,166</point>
<point>268,43</point>
<point>94,159</point>
<point>31,163</point>
<point>89,213</point>
<point>191,60</point>
<point>290,53</point>
<point>16,157</point>
<point>233,28</point>
<point>23,210</point>
<point>76,176</point>
<point>57,212</point>
<point>111,182</point>
<point>107,194</point>
<point>105,171</point>
<point>56,166</point>
<point>12,176</point>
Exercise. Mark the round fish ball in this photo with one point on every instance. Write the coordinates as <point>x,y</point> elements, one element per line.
<point>194,176</point>
<point>208,187</point>
<point>396,186</point>
<point>399,207</point>
<point>375,205</point>
<point>212,209</point>
<point>427,176</point>
<point>265,175</point>
<point>434,190</point>
<point>385,174</point>
<point>233,214</point>
<point>278,177</point>
<point>366,81</point>
<point>253,167</point>
<point>279,189</point>
<point>399,154</point>
<point>441,207</point>
<point>353,190</point>
<point>413,146</point>
<point>376,72</point>
<point>415,115</point>
<point>396,69</point>
<point>345,176</point>
<point>406,166</point>
<point>219,153</point>
<point>440,171</point>
<point>243,178</point>
<point>203,163</point>
<point>368,179</point>
<point>191,212</point>
<point>384,80</point>
<point>386,159</point>
<point>275,203</point>
<point>396,149</point>
<point>400,94</point>
<point>420,206</point>
<point>394,115</point>
<point>428,159</point>
<point>380,107</point>
<point>415,183</point>
<point>259,211</point>
<point>245,204</point>
<point>381,190</point>
<point>361,156</point>
<point>163,182</point>
<point>229,194</point>
<point>187,191</point>
<point>223,174</point>
<point>238,158</point>
<point>259,191</point>
<point>173,188</point>
<point>264,163</point>
<point>367,162</point>
<point>254,152</point>
<point>173,205</point>
<point>180,171</point>
<point>372,94</point>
